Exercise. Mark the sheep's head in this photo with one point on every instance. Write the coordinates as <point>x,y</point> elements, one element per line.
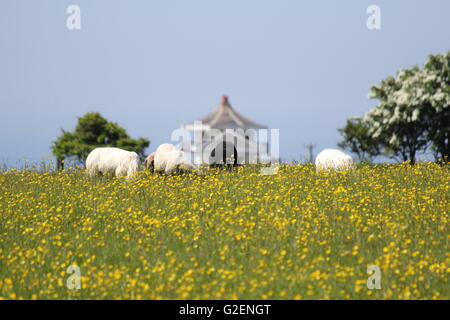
<point>150,162</point>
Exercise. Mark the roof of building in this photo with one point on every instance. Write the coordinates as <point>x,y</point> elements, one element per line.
<point>224,116</point>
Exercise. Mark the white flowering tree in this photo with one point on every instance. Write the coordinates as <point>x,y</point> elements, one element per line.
<point>436,87</point>
<point>396,121</point>
<point>413,112</point>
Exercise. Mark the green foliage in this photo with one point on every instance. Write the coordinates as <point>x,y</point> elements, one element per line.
<point>94,131</point>
<point>437,86</point>
<point>358,140</point>
<point>395,121</point>
<point>413,113</point>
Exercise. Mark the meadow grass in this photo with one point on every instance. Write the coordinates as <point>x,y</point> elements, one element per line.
<point>238,235</point>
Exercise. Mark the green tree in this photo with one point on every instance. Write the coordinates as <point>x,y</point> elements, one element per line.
<point>358,140</point>
<point>436,96</point>
<point>395,121</point>
<point>413,112</point>
<point>94,131</point>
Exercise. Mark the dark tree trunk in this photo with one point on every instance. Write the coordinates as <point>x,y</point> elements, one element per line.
<point>445,148</point>
<point>412,158</point>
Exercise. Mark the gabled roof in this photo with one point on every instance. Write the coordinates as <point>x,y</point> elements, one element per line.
<point>225,117</point>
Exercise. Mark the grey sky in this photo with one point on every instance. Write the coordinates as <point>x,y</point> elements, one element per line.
<point>301,66</point>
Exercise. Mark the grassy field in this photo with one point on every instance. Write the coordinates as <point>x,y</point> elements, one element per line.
<point>240,235</point>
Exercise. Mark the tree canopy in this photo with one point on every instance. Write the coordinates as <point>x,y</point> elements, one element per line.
<point>358,140</point>
<point>412,115</point>
<point>92,131</point>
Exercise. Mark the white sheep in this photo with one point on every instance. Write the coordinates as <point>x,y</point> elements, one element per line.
<point>113,161</point>
<point>165,147</point>
<point>168,159</point>
<point>332,159</point>
<point>177,160</point>
<point>159,158</point>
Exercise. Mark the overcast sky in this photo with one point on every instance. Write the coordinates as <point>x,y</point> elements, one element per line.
<point>303,67</point>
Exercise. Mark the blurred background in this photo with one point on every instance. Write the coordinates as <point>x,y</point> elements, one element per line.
<point>303,67</point>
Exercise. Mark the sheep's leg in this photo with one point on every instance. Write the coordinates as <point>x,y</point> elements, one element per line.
<point>131,173</point>
<point>119,172</point>
<point>168,171</point>
<point>91,172</point>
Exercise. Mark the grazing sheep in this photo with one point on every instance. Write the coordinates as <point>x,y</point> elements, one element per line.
<point>150,162</point>
<point>159,160</point>
<point>165,147</point>
<point>333,159</point>
<point>112,160</point>
<point>178,161</point>
<point>172,161</point>
<point>168,159</point>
